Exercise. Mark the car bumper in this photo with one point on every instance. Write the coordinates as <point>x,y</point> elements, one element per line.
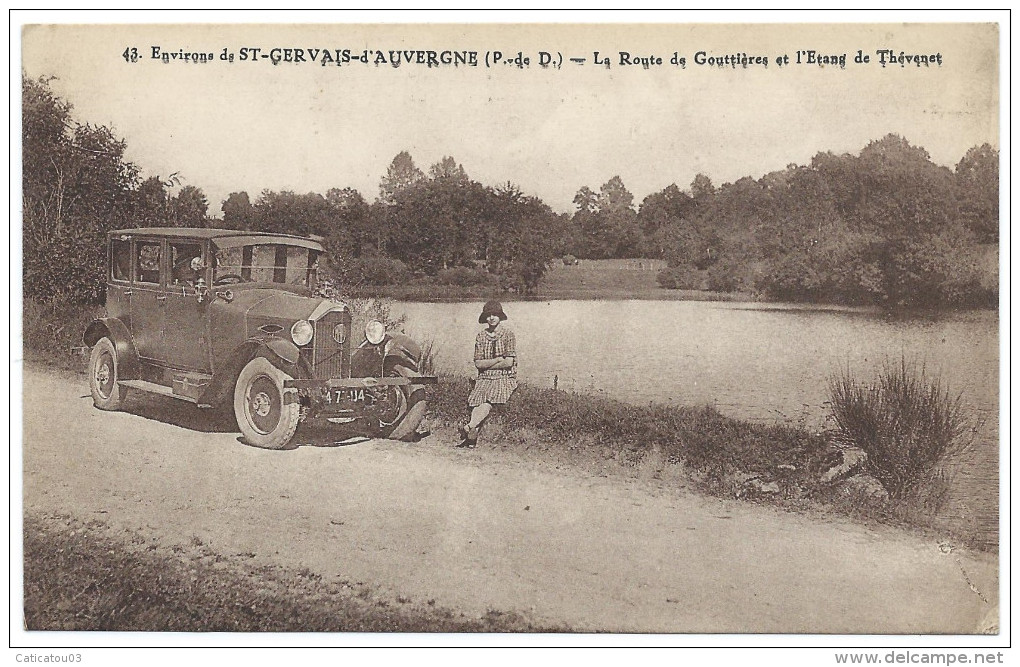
<point>358,383</point>
<point>347,398</point>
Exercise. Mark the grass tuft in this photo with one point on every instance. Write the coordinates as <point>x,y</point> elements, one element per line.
<point>908,423</point>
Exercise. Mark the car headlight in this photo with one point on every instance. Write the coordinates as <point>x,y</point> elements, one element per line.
<point>375,331</point>
<point>301,333</point>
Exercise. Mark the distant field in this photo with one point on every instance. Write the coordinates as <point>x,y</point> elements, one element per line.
<point>603,276</point>
<point>613,279</point>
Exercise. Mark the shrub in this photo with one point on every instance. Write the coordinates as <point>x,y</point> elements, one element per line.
<point>52,332</point>
<point>680,277</point>
<point>721,278</point>
<point>569,260</point>
<point>908,423</point>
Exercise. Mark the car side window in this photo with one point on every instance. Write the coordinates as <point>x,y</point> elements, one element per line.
<point>297,265</point>
<point>263,263</point>
<point>228,265</point>
<point>120,260</point>
<point>147,256</point>
<point>181,257</point>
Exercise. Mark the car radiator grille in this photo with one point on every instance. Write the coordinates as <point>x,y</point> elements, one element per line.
<point>327,355</point>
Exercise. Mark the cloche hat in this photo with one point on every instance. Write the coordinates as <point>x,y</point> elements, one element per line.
<point>491,308</point>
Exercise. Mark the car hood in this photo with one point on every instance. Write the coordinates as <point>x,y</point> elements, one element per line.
<point>274,304</point>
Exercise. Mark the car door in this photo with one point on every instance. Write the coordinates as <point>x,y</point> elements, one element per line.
<point>148,299</point>
<point>186,325</point>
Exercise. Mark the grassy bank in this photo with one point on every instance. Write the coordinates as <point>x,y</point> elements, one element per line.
<point>78,577</point>
<point>774,464</point>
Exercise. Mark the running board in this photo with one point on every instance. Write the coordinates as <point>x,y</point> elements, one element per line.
<point>154,388</point>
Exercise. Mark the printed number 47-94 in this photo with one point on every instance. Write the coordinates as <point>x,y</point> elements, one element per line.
<point>131,54</point>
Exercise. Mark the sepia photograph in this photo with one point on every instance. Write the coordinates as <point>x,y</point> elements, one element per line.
<point>509,329</point>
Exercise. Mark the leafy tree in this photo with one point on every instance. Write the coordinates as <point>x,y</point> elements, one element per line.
<point>189,208</point>
<point>701,187</point>
<point>435,224</point>
<point>977,185</point>
<point>152,203</point>
<point>665,221</point>
<point>448,169</point>
<point>238,212</point>
<point>606,224</point>
<point>592,231</point>
<point>615,197</point>
<point>525,240</point>
<point>618,207</point>
<point>400,175</point>
<point>291,213</point>
<point>352,233</point>
<point>76,186</point>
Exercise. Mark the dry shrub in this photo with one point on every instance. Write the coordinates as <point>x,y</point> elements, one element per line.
<point>909,424</point>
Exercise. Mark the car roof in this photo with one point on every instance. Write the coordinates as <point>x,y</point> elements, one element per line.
<point>204,233</point>
<point>224,237</point>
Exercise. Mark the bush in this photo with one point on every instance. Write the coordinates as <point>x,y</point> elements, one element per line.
<point>680,277</point>
<point>463,276</point>
<point>722,277</point>
<point>569,260</point>
<point>908,423</point>
<point>52,332</point>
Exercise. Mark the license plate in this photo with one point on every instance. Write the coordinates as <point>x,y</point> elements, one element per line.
<point>334,396</point>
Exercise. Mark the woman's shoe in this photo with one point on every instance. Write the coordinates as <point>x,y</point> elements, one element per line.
<point>469,436</point>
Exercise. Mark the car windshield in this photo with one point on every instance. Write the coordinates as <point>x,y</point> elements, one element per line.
<point>266,263</point>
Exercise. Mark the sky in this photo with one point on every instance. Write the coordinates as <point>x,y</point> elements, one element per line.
<point>251,125</point>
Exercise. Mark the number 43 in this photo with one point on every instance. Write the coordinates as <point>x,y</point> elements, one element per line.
<point>131,54</point>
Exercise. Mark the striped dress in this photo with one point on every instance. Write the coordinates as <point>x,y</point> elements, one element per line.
<point>494,386</point>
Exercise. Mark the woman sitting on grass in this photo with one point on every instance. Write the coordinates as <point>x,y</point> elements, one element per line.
<point>496,361</point>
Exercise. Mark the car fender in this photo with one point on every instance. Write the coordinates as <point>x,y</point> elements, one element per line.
<point>402,350</point>
<point>281,353</point>
<point>114,329</point>
<point>284,349</point>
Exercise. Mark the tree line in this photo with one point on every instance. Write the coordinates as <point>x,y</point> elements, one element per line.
<point>884,226</point>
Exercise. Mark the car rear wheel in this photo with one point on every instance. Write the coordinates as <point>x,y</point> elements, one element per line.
<point>107,392</point>
<point>409,409</point>
<point>265,418</point>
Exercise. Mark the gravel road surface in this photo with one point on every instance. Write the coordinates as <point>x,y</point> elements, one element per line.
<point>481,530</point>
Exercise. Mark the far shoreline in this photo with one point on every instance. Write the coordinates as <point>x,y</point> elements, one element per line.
<point>454,294</point>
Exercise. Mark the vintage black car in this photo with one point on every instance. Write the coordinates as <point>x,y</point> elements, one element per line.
<point>219,317</point>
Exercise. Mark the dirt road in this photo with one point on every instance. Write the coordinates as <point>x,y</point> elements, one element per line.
<point>477,531</point>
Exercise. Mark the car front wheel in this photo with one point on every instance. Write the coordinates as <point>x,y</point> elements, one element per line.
<point>107,392</point>
<point>265,417</point>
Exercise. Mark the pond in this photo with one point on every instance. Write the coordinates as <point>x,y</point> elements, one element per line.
<point>761,362</point>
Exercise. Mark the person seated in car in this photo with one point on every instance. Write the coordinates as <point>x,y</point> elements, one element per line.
<point>187,271</point>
